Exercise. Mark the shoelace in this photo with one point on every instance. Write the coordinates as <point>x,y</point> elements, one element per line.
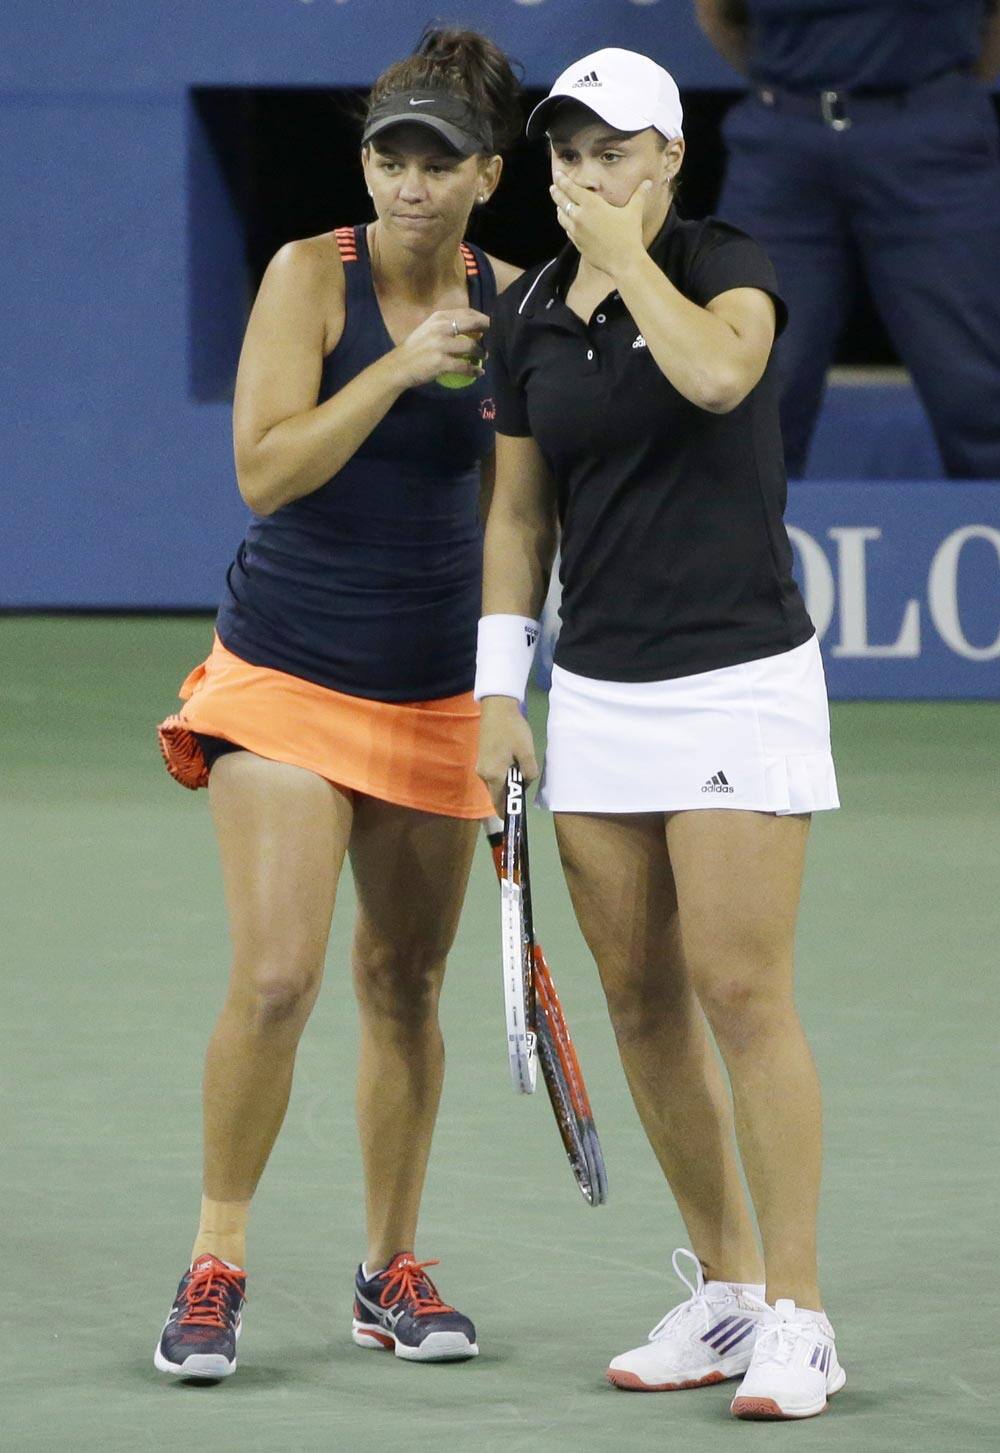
<point>778,1340</point>
<point>205,1295</point>
<point>408,1281</point>
<point>699,1304</point>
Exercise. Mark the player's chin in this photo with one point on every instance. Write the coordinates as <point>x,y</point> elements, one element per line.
<point>419,230</point>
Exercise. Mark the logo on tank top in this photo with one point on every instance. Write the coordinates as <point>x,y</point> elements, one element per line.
<point>488,410</point>
<point>718,783</point>
<point>640,342</point>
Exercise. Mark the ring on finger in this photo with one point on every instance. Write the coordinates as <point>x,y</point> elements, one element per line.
<point>454,327</point>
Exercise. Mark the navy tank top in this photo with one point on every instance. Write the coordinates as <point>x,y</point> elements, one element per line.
<point>371,584</point>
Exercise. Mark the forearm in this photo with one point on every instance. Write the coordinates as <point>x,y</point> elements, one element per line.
<point>987,65</point>
<point>517,561</point>
<point>296,456</point>
<point>724,22</point>
<point>695,351</point>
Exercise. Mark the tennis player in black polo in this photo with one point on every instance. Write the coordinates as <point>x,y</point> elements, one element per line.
<point>688,737</point>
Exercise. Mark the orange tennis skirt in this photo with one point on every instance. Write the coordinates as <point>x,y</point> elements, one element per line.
<point>420,755</point>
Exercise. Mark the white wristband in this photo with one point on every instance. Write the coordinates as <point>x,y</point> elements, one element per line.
<point>504,655</point>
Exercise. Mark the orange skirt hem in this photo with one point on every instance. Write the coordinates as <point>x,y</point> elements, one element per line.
<point>419,755</point>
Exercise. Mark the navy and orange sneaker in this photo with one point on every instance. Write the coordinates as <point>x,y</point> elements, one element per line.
<point>399,1309</point>
<point>199,1337</point>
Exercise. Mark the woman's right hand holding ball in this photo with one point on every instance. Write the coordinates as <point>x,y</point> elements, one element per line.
<point>448,342</point>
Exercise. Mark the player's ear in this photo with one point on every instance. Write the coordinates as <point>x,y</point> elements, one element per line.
<point>488,178</point>
<point>673,158</point>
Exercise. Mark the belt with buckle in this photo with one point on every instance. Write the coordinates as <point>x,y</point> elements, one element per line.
<point>840,109</point>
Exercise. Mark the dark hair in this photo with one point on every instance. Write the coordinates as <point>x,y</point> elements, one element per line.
<point>463,63</point>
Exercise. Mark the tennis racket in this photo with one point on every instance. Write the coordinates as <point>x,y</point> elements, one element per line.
<point>536,1026</point>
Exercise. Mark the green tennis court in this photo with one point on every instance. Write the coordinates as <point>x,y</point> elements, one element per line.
<point>115,959</point>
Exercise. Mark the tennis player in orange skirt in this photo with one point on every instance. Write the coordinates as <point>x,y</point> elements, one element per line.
<point>334,715</point>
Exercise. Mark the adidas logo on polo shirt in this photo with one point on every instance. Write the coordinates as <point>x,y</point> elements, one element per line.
<point>591,80</point>
<point>718,783</point>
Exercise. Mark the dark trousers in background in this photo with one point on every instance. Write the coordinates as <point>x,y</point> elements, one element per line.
<point>909,195</point>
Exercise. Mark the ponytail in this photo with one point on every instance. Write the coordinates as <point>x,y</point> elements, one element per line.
<point>463,63</point>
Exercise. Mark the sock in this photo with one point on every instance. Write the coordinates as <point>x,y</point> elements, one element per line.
<point>753,1289</point>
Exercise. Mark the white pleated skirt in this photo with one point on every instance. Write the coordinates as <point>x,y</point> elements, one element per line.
<point>754,737</point>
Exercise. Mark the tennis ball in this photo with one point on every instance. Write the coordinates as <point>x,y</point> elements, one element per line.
<point>458,380</point>
<point>454,380</point>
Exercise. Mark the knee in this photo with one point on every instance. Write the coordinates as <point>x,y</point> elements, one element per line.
<point>641,1011</point>
<point>398,985</point>
<point>278,990</point>
<point>742,1008</point>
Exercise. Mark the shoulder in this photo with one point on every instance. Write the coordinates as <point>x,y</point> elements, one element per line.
<point>719,258</point>
<point>304,290</point>
<point>713,247</point>
<point>307,262</point>
<point>504,272</point>
<point>708,234</point>
<point>308,267</point>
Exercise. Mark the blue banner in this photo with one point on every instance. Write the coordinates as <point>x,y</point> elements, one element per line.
<point>111,46</point>
<point>902,582</point>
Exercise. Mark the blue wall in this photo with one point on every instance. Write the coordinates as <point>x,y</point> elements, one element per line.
<point>127,46</point>
<point>118,483</point>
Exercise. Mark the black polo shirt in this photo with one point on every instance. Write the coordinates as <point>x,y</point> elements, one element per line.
<point>675,558</point>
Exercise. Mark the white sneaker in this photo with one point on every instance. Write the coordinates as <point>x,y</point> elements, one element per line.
<point>706,1339</point>
<point>794,1368</point>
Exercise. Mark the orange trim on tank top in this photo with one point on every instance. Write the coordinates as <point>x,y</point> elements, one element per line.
<point>348,247</point>
<point>347,243</point>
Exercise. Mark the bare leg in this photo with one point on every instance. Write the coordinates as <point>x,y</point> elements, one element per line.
<point>623,892</point>
<point>738,877</point>
<point>282,835</point>
<point>411,870</point>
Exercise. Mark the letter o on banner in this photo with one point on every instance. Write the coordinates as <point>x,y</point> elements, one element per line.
<point>817,579</point>
<point>942,591</point>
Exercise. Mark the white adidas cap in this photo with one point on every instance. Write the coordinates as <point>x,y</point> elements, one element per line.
<point>625,89</point>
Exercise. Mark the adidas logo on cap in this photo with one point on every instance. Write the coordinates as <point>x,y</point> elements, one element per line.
<point>718,783</point>
<point>592,79</point>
